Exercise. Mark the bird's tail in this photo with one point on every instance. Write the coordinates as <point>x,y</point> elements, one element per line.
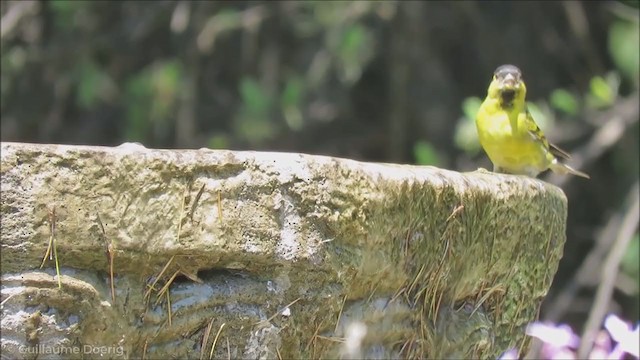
<point>563,169</point>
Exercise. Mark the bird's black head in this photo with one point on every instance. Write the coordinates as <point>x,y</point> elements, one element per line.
<point>508,81</point>
<point>503,70</point>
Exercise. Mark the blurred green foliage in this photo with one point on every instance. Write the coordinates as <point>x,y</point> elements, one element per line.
<point>623,46</point>
<point>426,154</point>
<point>219,141</point>
<point>66,13</point>
<point>630,266</point>
<point>466,136</point>
<point>371,80</point>
<point>94,85</point>
<point>252,121</point>
<point>354,51</point>
<point>151,97</point>
<point>291,101</point>
<point>564,101</point>
<point>631,263</point>
<point>603,91</point>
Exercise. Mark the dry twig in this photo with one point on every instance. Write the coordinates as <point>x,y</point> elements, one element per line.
<point>590,267</point>
<point>215,340</point>
<point>609,274</point>
<point>52,245</point>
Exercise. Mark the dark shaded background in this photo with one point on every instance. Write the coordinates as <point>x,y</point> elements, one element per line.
<point>375,81</point>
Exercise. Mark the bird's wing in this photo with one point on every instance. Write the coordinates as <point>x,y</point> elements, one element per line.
<point>559,152</point>
<point>538,136</point>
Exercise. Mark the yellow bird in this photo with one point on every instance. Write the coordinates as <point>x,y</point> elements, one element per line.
<point>509,135</point>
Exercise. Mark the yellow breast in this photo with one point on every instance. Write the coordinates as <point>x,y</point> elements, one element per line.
<point>507,142</point>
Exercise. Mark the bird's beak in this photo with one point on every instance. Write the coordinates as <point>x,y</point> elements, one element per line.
<point>509,82</point>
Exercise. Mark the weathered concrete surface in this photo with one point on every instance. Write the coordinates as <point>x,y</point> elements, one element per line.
<point>275,255</point>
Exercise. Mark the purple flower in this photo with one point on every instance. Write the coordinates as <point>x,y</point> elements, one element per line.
<point>601,346</point>
<point>627,338</point>
<point>511,354</point>
<point>558,336</point>
<point>560,342</point>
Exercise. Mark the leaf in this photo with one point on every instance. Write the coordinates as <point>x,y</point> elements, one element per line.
<point>254,128</point>
<point>630,263</point>
<point>293,117</point>
<point>290,102</point>
<point>165,82</point>
<point>166,76</point>
<point>254,97</point>
<point>89,78</point>
<point>219,141</point>
<point>425,154</point>
<point>93,84</point>
<point>624,39</point>
<point>253,123</point>
<point>354,52</point>
<point>352,40</point>
<point>564,101</point>
<point>601,90</point>
<point>292,93</point>
<point>227,19</point>
<point>470,107</point>
<point>64,12</point>
<point>466,136</point>
<point>138,99</point>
